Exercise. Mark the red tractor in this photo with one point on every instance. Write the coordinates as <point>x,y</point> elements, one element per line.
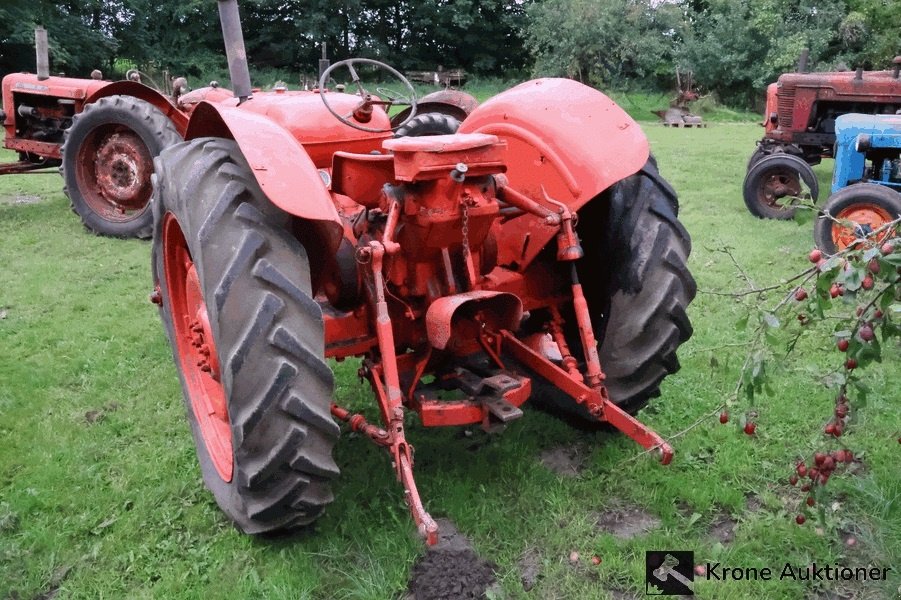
<point>534,254</point>
<point>103,134</point>
<point>801,109</point>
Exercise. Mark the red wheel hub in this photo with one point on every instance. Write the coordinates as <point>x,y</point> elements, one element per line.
<point>778,185</point>
<point>113,169</point>
<point>866,218</point>
<point>196,348</point>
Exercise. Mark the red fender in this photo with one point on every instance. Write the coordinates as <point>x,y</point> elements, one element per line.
<point>566,142</point>
<point>142,92</point>
<point>281,166</point>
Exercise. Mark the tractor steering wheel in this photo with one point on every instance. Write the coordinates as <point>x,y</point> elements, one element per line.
<point>364,109</point>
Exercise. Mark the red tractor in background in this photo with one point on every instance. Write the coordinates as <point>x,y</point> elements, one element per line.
<point>801,109</point>
<point>534,254</point>
<point>104,136</point>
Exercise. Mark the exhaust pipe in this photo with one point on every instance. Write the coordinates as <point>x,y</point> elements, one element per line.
<point>42,50</point>
<point>802,60</point>
<point>234,48</point>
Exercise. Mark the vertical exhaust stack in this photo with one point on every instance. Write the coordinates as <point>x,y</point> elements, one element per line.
<point>802,60</point>
<point>42,51</point>
<point>234,48</point>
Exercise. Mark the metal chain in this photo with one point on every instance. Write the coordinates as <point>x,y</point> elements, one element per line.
<point>465,230</point>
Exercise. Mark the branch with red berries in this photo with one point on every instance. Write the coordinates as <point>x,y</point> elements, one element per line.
<point>856,288</point>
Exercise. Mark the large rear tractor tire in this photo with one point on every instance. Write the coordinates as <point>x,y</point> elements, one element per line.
<point>107,164</point>
<point>246,336</point>
<point>775,179</point>
<point>869,206</point>
<point>428,124</point>
<point>637,285</point>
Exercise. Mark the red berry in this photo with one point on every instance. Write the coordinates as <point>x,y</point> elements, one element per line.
<point>842,345</point>
<point>800,294</point>
<point>836,290</point>
<point>866,333</point>
<point>830,429</point>
<point>805,487</point>
<point>841,411</point>
<point>813,474</point>
<point>838,429</point>
<point>595,560</point>
<point>793,480</point>
<point>867,283</point>
<point>829,463</point>
<point>815,255</point>
<point>824,477</point>
<point>801,470</point>
<point>878,314</point>
<point>849,456</point>
<point>818,458</point>
<point>851,364</point>
<point>873,265</point>
<point>887,249</point>
<point>810,501</point>
<point>724,417</point>
<point>700,570</point>
<point>750,428</point>
<point>800,519</point>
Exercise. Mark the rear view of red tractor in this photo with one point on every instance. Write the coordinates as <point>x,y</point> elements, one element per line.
<point>801,109</point>
<point>536,253</point>
<point>103,134</point>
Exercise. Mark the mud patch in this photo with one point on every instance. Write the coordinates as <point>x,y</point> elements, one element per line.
<point>565,461</point>
<point>626,522</point>
<point>451,570</point>
<point>97,415</point>
<point>753,503</point>
<point>529,568</point>
<point>722,529</point>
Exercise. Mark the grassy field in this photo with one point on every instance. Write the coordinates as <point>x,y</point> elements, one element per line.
<point>101,497</point>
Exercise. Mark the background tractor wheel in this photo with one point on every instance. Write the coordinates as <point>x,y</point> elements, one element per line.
<point>868,205</point>
<point>428,124</point>
<point>108,157</point>
<point>246,336</point>
<point>758,154</point>
<point>637,285</point>
<point>775,177</point>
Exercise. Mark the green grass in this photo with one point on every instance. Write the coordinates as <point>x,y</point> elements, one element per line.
<point>101,497</point>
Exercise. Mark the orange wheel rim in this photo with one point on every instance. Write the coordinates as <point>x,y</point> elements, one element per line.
<point>196,348</point>
<point>866,218</point>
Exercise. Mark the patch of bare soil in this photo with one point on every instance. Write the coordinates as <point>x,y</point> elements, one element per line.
<point>451,570</point>
<point>626,522</point>
<point>565,461</point>
<point>530,568</point>
<point>753,503</point>
<point>722,529</point>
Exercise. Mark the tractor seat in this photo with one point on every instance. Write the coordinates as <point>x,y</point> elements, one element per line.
<point>434,156</point>
<point>454,142</point>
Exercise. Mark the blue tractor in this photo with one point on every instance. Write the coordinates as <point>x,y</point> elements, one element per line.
<point>866,182</point>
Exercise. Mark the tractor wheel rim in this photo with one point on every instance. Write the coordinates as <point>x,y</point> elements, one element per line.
<point>196,348</point>
<point>113,171</point>
<point>777,185</point>
<point>866,218</point>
